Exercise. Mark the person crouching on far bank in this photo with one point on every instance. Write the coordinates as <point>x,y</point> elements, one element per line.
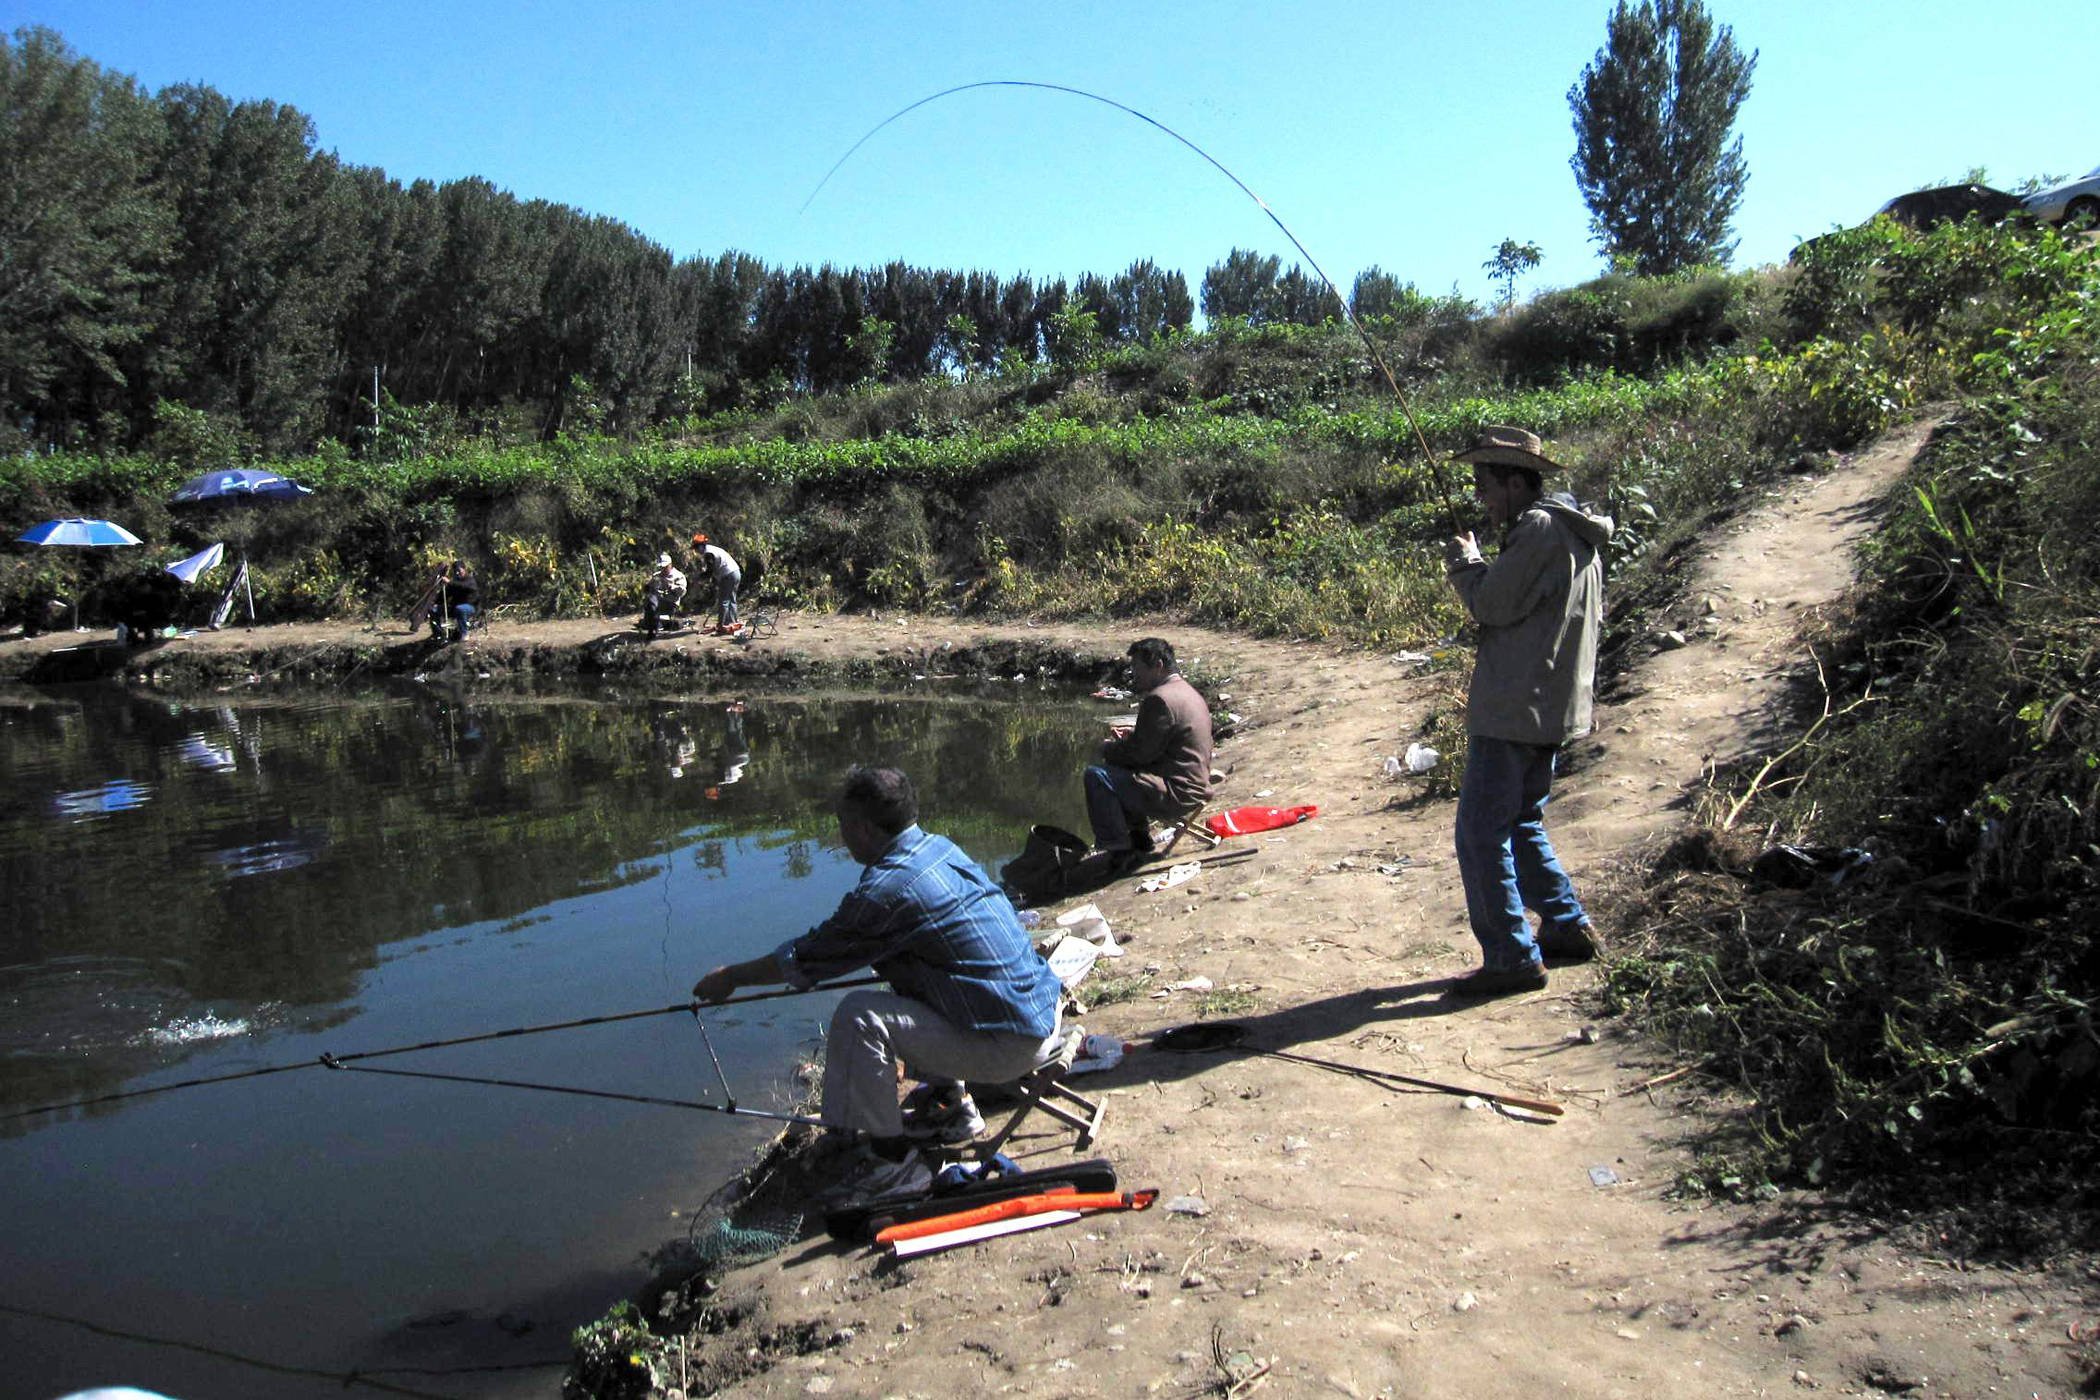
<point>1539,606</point>
<point>971,999</point>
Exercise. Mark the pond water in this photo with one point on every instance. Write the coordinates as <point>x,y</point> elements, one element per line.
<point>199,890</point>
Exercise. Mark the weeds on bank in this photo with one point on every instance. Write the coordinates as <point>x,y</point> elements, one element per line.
<point>1923,1030</point>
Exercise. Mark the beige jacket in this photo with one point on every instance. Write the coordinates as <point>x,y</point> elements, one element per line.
<point>1540,606</point>
<point>1168,748</point>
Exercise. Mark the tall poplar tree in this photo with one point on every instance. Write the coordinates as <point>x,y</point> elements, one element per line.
<point>1653,157</point>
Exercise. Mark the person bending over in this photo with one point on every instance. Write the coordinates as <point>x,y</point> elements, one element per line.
<point>970,997</point>
<point>1157,767</point>
<point>727,578</point>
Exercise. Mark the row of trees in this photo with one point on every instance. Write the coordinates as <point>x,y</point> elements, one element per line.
<point>182,248</point>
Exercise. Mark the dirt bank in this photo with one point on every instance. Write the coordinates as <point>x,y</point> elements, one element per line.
<point>1359,1240</point>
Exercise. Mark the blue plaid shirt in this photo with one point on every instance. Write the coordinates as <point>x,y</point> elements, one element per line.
<point>927,920</point>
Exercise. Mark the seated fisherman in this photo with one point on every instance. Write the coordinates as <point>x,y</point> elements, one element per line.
<point>455,602</point>
<point>662,594</point>
<point>1157,767</point>
<point>972,999</point>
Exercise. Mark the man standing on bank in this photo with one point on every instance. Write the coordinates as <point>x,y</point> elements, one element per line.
<point>1539,606</point>
<point>972,998</point>
<point>1157,767</point>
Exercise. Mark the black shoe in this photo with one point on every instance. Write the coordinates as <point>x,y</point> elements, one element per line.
<point>1576,945</point>
<point>1484,982</point>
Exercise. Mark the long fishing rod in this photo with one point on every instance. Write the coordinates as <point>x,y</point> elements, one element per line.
<point>341,1061</point>
<point>1377,356</point>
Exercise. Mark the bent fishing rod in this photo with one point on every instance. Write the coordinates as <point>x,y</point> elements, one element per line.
<point>332,1061</point>
<point>1377,356</point>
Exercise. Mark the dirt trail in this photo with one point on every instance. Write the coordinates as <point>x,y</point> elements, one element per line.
<point>1367,1242</point>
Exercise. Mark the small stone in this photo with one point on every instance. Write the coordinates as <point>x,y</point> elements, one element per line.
<point>1802,1378</point>
<point>1472,1101</point>
<point>1241,897</point>
<point>1295,1144</point>
<point>1193,1280</point>
<point>1628,1334</point>
<point>1465,1302</point>
<point>1188,1205</point>
<point>842,1336</point>
<point>1794,1323</point>
<point>1671,641</point>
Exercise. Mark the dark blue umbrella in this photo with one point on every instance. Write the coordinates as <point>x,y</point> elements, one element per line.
<point>244,483</point>
<point>74,530</point>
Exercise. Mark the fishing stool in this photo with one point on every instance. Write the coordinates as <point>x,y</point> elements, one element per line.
<point>1190,823</point>
<point>1042,1088</point>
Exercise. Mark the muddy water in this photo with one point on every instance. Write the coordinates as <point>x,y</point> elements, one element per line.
<point>199,890</point>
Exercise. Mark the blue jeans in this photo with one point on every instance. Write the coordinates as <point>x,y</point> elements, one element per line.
<point>1504,857</point>
<point>1115,804</point>
<point>725,598</point>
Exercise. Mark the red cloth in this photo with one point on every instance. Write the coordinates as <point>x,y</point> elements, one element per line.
<point>1244,821</point>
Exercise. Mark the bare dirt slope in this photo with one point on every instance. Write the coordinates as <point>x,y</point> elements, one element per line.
<point>1365,1241</point>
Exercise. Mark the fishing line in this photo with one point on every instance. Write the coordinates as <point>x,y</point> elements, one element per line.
<point>344,1060</point>
<point>1377,356</point>
<point>332,1062</point>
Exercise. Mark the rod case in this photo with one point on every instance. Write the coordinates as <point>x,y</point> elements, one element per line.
<point>860,1222</point>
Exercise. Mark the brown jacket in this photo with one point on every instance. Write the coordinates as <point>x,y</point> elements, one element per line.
<point>1168,748</point>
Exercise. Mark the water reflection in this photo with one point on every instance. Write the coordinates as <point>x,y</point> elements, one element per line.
<point>279,878</point>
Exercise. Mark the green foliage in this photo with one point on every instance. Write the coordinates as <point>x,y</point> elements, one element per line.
<point>616,1358</point>
<point>1652,117</point>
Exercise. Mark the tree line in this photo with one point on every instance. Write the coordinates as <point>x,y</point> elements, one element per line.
<point>183,249</point>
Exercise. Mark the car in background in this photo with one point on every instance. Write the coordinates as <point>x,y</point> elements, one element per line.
<point>1924,209</point>
<point>2077,199</point>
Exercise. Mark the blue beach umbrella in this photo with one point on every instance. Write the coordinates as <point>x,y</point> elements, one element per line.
<point>242,484</point>
<point>75,530</point>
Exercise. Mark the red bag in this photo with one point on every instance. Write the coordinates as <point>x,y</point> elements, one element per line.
<point>1245,821</point>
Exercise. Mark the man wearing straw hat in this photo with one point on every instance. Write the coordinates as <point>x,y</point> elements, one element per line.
<point>1538,605</point>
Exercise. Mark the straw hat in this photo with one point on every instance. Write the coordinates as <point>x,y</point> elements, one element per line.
<point>663,561</point>
<point>1508,447</point>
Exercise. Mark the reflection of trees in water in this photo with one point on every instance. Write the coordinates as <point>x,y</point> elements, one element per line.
<point>426,811</point>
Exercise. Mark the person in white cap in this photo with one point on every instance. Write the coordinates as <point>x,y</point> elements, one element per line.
<point>661,594</point>
<point>1539,605</point>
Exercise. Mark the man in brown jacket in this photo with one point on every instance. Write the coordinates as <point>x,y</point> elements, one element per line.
<point>1540,606</point>
<point>1157,767</point>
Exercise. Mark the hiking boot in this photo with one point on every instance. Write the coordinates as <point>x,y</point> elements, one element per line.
<point>1499,981</point>
<point>1574,945</point>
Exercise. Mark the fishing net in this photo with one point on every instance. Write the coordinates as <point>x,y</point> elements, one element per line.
<point>757,1213</point>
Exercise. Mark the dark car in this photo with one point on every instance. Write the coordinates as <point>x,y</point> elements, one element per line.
<point>1923,209</point>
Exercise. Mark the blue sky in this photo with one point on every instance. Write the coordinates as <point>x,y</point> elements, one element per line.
<point>1412,136</point>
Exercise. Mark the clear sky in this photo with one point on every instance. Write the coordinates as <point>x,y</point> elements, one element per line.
<point>1390,132</point>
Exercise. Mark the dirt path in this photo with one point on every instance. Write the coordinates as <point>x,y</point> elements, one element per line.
<point>1366,1241</point>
